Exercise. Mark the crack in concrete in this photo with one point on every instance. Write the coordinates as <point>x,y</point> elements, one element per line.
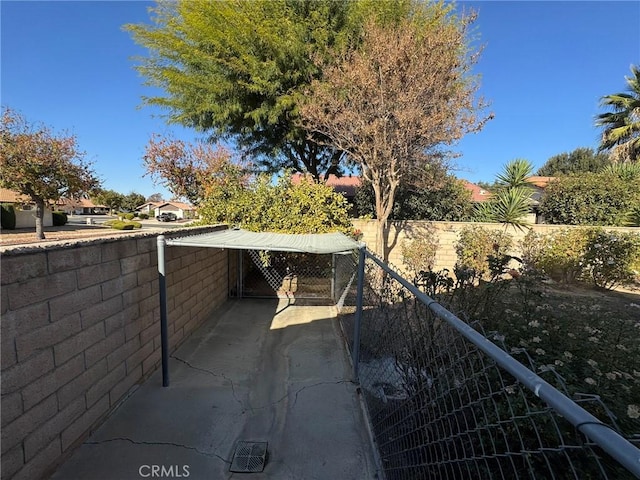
<point>214,374</point>
<point>298,391</point>
<point>170,444</point>
<point>250,408</point>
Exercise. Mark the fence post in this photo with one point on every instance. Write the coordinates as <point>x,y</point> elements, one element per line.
<point>164,337</point>
<point>333,278</point>
<point>358,319</point>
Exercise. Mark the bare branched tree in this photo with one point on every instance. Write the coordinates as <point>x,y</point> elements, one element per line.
<point>396,103</point>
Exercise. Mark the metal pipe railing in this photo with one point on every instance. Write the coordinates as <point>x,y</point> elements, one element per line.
<point>604,436</point>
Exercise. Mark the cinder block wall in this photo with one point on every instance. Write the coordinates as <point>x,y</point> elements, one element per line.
<point>448,234</point>
<point>80,327</point>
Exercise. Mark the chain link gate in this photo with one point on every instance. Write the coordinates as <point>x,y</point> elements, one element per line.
<point>318,277</point>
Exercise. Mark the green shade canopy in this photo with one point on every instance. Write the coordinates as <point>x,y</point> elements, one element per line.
<point>320,243</point>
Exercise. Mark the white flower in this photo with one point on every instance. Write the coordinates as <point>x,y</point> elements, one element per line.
<point>590,381</point>
<point>568,355</point>
<point>535,339</point>
<point>534,323</point>
<point>633,411</point>
<point>610,376</point>
<point>593,363</point>
<point>593,339</point>
<point>540,351</point>
<point>559,363</point>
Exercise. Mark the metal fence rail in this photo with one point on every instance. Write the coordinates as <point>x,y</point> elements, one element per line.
<point>446,402</point>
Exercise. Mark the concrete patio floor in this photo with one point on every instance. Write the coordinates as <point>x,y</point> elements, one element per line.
<point>258,370</point>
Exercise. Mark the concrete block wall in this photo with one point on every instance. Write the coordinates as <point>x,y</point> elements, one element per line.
<point>80,328</point>
<point>448,234</point>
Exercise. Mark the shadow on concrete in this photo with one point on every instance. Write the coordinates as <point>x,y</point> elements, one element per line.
<point>248,374</point>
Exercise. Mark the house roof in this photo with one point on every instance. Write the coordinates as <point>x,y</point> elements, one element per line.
<point>180,205</point>
<point>80,203</point>
<point>478,194</point>
<point>540,182</point>
<point>346,184</point>
<point>10,196</point>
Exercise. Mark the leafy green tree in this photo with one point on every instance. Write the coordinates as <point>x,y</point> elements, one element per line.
<point>621,127</point>
<point>581,160</point>
<point>155,197</point>
<point>261,205</point>
<point>397,101</point>
<point>590,199</point>
<point>132,200</point>
<point>444,200</point>
<point>40,165</point>
<point>239,69</point>
<point>109,198</point>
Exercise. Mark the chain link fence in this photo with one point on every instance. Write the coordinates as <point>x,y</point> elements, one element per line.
<point>445,400</point>
<point>296,275</point>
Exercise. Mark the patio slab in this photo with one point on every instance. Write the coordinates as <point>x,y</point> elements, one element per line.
<point>257,371</point>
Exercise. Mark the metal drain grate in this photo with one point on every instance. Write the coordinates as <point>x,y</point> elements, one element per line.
<point>249,457</point>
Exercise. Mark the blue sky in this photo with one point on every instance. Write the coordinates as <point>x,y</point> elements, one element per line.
<point>544,68</point>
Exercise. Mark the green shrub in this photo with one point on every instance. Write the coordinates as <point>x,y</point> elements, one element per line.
<point>611,258</point>
<point>561,254</point>
<point>129,216</point>
<point>419,254</point>
<point>476,247</point>
<point>590,199</point>
<point>120,225</point>
<point>8,216</point>
<point>59,219</point>
<point>143,216</point>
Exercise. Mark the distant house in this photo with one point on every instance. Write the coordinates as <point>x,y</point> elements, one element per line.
<point>478,194</point>
<point>81,206</point>
<point>25,209</point>
<point>346,185</point>
<point>539,185</point>
<point>180,209</point>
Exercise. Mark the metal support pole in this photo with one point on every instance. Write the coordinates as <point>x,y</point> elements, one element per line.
<point>333,278</point>
<point>240,273</point>
<point>358,319</point>
<point>163,311</point>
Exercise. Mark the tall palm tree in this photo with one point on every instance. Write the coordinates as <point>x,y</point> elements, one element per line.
<point>621,135</point>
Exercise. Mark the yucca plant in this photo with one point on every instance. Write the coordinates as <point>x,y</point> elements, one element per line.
<point>512,202</point>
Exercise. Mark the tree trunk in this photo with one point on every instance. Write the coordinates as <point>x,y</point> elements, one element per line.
<point>381,239</point>
<point>39,219</point>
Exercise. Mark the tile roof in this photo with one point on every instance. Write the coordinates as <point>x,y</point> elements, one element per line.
<point>478,194</point>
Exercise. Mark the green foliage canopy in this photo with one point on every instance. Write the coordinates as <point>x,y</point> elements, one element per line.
<point>238,70</point>
<point>132,200</point>
<point>109,198</point>
<point>581,160</point>
<point>590,199</point>
<point>444,200</point>
<point>262,206</point>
